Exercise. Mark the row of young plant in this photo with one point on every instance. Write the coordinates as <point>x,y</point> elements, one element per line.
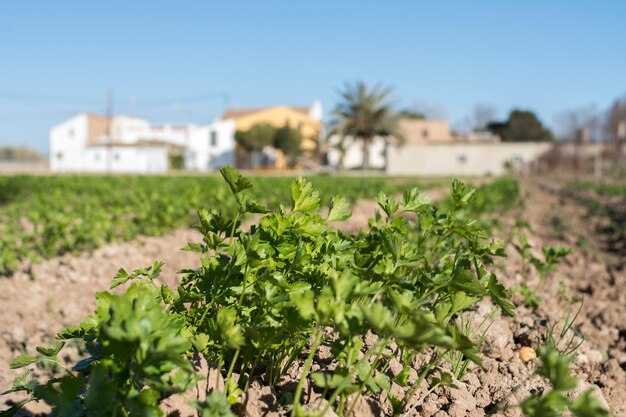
<point>611,209</point>
<point>616,189</point>
<point>263,300</point>
<point>46,216</point>
<point>560,340</point>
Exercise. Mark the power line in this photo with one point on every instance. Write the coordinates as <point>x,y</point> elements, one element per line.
<point>60,106</point>
<point>37,116</point>
<point>43,98</point>
<point>12,95</point>
<point>109,156</point>
<point>189,99</point>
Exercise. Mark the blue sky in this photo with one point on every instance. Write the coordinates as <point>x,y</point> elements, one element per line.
<point>172,61</point>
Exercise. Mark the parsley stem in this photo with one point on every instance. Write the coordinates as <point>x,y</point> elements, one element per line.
<point>383,345</point>
<point>427,368</point>
<point>319,337</point>
<point>232,365</point>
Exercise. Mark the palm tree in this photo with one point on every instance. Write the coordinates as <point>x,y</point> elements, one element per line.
<point>364,114</point>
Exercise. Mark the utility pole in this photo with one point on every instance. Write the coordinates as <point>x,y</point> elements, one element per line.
<point>109,155</point>
<point>226,101</point>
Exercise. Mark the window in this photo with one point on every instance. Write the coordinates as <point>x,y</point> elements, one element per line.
<point>213,138</point>
<point>59,155</point>
<point>425,133</point>
<point>461,159</point>
<point>71,133</point>
<point>97,156</point>
<point>117,156</point>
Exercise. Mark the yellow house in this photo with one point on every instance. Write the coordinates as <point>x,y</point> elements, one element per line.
<point>308,120</point>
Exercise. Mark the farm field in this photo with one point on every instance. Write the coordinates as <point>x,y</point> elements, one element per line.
<point>47,216</point>
<point>407,314</point>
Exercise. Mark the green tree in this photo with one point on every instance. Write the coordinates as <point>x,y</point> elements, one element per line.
<point>176,161</point>
<point>411,114</point>
<point>363,114</point>
<point>288,140</point>
<point>521,126</point>
<point>19,153</point>
<point>257,137</point>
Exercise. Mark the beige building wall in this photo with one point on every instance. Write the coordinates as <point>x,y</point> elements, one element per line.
<point>424,131</point>
<point>472,159</point>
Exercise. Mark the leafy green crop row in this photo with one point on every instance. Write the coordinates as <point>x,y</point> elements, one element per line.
<point>499,195</point>
<point>602,188</point>
<point>45,216</point>
<point>262,301</point>
<point>610,209</point>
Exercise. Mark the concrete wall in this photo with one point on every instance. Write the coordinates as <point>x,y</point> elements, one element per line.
<point>461,158</point>
<point>18,167</point>
<point>201,154</point>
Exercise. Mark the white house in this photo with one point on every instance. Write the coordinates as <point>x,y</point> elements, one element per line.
<point>211,147</point>
<point>126,144</point>
<point>83,144</point>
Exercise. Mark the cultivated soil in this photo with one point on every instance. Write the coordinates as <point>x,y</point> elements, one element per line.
<point>57,293</point>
